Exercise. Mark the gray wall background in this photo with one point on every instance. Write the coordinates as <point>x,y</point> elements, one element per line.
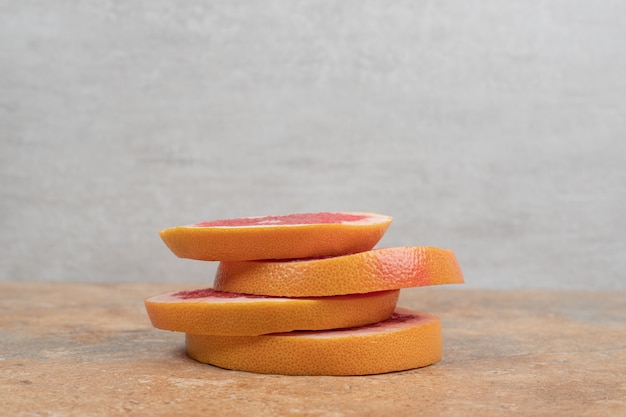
<point>493,128</point>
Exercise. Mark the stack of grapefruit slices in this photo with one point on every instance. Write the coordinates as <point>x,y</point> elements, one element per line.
<point>304,294</point>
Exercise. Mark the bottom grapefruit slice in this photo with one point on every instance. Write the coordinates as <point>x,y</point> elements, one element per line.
<point>207,311</point>
<point>406,340</point>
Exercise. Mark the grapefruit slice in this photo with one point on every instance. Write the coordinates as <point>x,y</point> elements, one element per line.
<point>206,311</point>
<point>407,340</point>
<point>290,236</point>
<point>370,271</point>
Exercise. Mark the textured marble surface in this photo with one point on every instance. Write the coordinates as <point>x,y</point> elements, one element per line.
<point>73,349</point>
<point>493,129</point>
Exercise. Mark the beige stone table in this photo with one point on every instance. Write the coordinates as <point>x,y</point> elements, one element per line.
<point>89,350</point>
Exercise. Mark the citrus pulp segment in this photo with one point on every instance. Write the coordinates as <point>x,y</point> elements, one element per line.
<point>407,340</point>
<point>206,311</point>
<point>291,236</point>
<point>375,270</point>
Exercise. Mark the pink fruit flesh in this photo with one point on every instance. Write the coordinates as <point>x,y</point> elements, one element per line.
<point>210,292</point>
<point>401,318</point>
<point>288,219</point>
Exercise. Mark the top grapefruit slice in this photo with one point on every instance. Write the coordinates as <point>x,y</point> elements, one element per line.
<point>305,235</point>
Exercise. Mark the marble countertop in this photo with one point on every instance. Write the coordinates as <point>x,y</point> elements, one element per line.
<point>89,349</point>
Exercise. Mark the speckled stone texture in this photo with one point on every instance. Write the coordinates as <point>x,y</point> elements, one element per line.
<point>492,128</point>
<point>89,350</point>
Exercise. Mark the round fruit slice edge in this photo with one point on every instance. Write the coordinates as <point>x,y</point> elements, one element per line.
<point>407,340</point>
<point>224,242</point>
<point>369,271</point>
<point>206,311</point>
